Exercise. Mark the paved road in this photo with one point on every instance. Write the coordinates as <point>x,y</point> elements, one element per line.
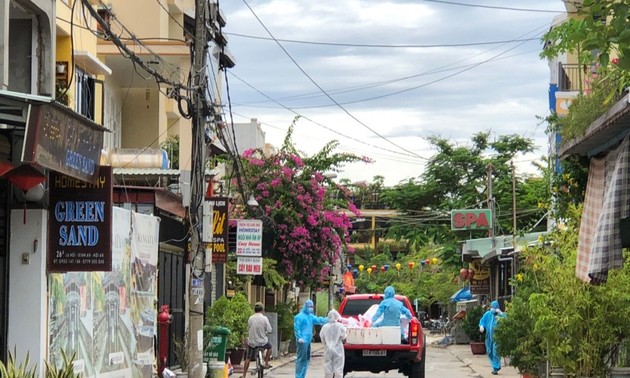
<point>440,364</point>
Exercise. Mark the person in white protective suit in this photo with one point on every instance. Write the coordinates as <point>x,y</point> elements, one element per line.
<point>333,335</point>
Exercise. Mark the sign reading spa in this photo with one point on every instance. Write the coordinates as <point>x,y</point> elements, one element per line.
<point>478,219</point>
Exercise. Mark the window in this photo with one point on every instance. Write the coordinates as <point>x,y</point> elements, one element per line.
<point>85,94</point>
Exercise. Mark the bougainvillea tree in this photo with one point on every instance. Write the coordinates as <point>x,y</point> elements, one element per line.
<point>301,206</point>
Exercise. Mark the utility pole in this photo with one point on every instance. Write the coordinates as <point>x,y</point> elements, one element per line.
<point>197,250</point>
<point>513,205</point>
<point>489,170</point>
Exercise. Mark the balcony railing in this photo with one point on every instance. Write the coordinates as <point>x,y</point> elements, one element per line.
<point>571,77</point>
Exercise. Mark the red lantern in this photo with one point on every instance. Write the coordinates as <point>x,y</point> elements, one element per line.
<point>382,269</point>
<point>374,267</point>
<point>471,274</point>
<point>463,273</point>
<point>427,261</point>
<point>411,264</point>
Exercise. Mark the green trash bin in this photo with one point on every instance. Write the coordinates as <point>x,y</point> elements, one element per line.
<point>216,345</point>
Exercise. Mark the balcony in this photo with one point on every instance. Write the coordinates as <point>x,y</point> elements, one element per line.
<point>571,77</point>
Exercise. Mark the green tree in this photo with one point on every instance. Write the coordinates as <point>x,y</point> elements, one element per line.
<point>294,199</point>
<point>600,26</point>
<point>432,283</point>
<point>456,178</point>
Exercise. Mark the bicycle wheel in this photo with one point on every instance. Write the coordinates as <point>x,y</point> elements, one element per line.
<point>260,364</point>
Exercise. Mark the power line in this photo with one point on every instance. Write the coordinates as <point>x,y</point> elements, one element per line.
<point>377,84</point>
<point>417,86</point>
<point>389,46</point>
<point>324,91</point>
<point>493,7</point>
<point>324,126</point>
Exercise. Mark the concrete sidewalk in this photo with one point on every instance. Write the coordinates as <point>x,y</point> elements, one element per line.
<point>478,364</point>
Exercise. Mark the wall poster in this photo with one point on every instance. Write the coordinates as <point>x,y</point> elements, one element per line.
<point>108,319</point>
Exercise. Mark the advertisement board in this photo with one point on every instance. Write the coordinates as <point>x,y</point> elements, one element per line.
<point>79,223</point>
<point>249,237</point>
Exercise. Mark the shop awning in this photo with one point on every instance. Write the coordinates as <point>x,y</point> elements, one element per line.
<point>462,294</point>
<point>483,247</point>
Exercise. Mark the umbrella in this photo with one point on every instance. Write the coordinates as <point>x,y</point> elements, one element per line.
<point>25,177</point>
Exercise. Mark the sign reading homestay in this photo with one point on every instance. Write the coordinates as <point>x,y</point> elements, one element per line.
<point>249,237</point>
<point>478,219</point>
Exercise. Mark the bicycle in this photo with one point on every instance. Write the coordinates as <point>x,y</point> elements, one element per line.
<point>260,361</point>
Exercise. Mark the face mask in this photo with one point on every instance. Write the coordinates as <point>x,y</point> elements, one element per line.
<point>309,310</point>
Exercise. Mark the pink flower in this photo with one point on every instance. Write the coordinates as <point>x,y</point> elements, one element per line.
<point>296,159</point>
<point>248,153</point>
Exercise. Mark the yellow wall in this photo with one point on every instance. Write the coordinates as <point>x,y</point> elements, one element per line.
<point>140,117</point>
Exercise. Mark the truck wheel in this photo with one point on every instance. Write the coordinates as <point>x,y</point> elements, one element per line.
<point>417,369</point>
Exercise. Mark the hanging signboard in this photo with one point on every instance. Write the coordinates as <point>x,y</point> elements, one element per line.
<point>80,223</point>
<point>61,140</point>
<point>478,219</point>
<point>219,241</point>
<point>249,237</point>
<point>480,282</point>
<point>249,265</point>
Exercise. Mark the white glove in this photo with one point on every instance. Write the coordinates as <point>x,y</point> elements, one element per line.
<point>481,329</point>
<point>498,312</point>
<point>300,341</point>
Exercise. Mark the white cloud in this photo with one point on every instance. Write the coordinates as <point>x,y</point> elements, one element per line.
<point>394,91</point>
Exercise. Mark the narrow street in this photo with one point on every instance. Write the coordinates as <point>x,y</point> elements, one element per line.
<point>440,363</point>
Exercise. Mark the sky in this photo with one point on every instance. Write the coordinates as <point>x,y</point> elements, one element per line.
<point>380,77</point>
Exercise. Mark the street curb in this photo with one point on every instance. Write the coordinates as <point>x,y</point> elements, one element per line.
<point>467,362</point>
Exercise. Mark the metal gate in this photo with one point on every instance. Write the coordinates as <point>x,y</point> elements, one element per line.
<point>171,292</point>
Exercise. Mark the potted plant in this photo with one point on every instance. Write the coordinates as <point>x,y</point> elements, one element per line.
<point>181,354</point>
<point>470,326</point>
<point>232,313</point>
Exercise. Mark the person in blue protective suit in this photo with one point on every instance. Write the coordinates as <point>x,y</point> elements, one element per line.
<point>303,328</point>
<point>391,309</point>
<point>488,323</point>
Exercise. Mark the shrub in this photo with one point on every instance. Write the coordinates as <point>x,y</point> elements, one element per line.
<point>471,324</point>
<point>231,313</point>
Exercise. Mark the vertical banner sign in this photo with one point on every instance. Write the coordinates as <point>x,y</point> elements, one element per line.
<point>79,224</point>
<point>249,237</point>
<point>219,243</point>
<point>144,258</point>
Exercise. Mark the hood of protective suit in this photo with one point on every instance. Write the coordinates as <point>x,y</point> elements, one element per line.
<point>494,304</point>
<point>333,316</point>
<point>389,292</point>
<point>308,304</point>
